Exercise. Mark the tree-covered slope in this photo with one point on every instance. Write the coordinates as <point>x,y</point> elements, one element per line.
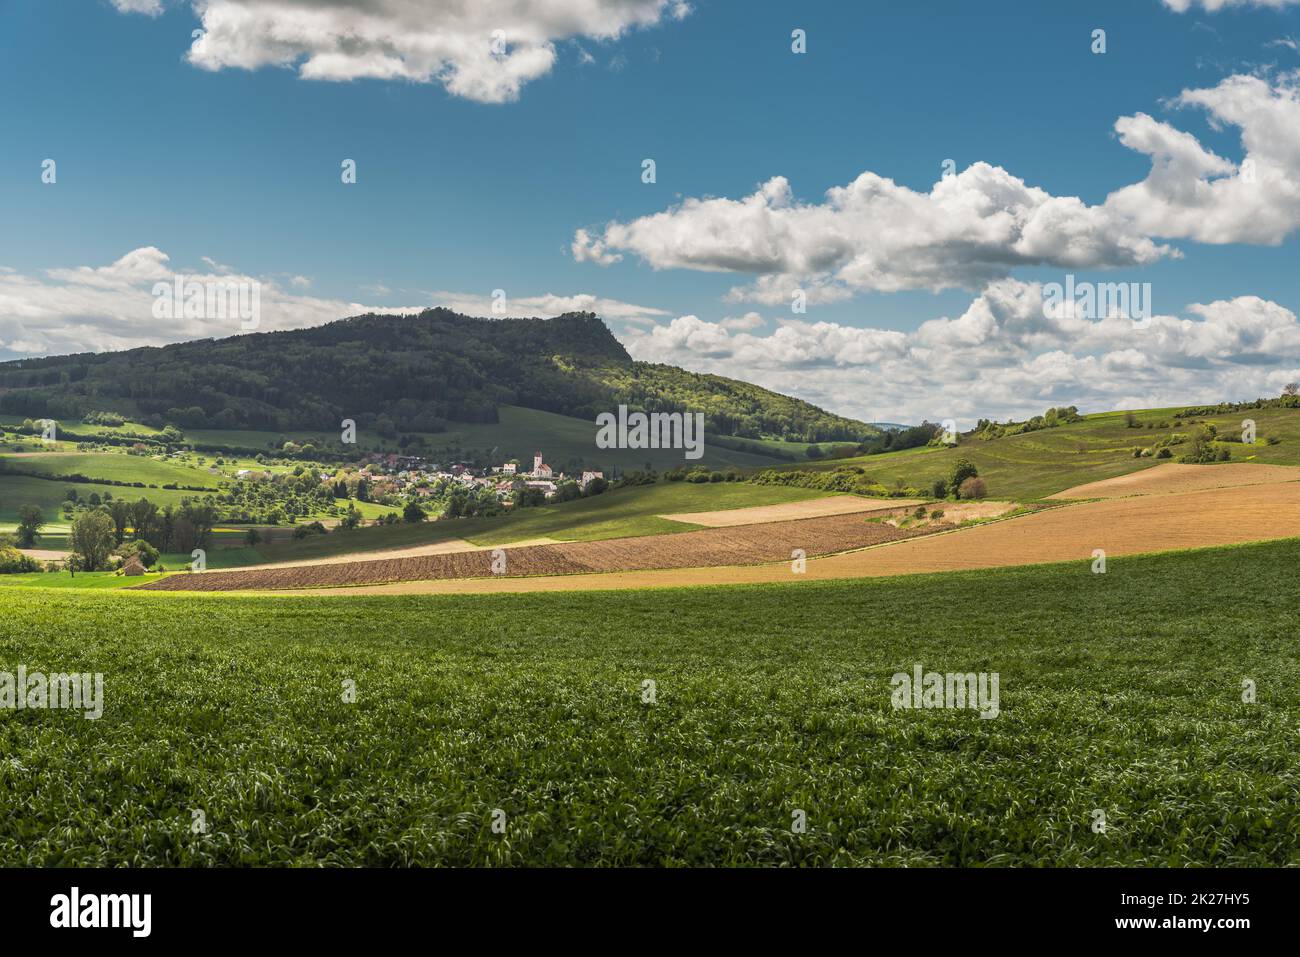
<point>410,373</point>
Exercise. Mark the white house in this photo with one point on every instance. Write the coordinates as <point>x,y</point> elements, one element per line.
<point>588,475</point>
<point>540,469</point>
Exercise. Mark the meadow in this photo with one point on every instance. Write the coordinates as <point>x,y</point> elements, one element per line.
<point>19,490</point>
<point>1037,464</point>
<point>1120,692</point>
<point>110,467</point>
<point>518,434</point>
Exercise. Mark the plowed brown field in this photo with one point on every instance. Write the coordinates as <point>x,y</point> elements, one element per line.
<point>788,511</point>
<point>741,545</point>
<point>1069,533</point>
<point>1176,477</point>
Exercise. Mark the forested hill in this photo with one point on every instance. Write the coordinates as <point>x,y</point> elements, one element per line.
<point>411,373</point>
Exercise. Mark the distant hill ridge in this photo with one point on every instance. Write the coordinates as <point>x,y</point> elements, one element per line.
<point>410,373</point>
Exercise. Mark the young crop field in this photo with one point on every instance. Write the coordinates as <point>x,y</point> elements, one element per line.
<point>1120,692</point>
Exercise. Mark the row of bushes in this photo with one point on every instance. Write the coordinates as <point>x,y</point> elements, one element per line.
<point>850,479</point>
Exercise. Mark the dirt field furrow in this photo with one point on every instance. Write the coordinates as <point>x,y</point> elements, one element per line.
<point>1175,477</point>
<point>1120,527</point>
<point>739,545</point>
<point>810,508</point>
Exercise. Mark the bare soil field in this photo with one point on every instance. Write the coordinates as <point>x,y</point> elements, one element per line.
<point>954,513</point>
<point>45,554</point>
<point>1176,477</point>
<point>449,546</point>
<point>789,511</point>
<point>1120,527</point>
<point>740,545</point>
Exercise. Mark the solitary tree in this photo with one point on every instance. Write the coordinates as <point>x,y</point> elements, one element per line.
<point>30,522</point>
<point>92,539</point>
<point>351,518</point>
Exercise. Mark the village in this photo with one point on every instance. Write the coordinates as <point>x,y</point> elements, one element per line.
<point>411,476</point>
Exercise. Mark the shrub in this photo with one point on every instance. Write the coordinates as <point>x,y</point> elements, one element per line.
<point>140,549</point>
<point>12,561</point>
<point>30,522</point>
<point>939,489</point>
<point>1164,454</point>
<point>961,471</point>
<point>937,514</point>
<point>972,487</point>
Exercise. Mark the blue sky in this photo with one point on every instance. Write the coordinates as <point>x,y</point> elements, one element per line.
<point>458,195</point>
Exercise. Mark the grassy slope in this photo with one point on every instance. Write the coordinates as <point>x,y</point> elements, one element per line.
<point>1037,464</point>
<point>624,512</point>
<point>112,466</point>
<point>17,491</point>
<point>561,438</point>
<point>519,434</point>
<point>1120,692</point>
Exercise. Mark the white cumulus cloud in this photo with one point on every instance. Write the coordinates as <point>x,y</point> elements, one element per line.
<point>484,50</point>
<point>981,224</point>
<point>1214,6</point>
<point>1005,356</point>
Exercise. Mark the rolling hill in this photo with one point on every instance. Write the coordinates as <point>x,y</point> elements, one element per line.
<point>1034,465</point>
<point>424,373</point>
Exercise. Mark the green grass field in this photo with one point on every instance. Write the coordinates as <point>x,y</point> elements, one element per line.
<point>561,438</point>
<point>519,433</point>
<point>1031,466</point>
<point>113,467</point>
<point>615,514</point>
<point>1119,692</point>
<point>19,490</point>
